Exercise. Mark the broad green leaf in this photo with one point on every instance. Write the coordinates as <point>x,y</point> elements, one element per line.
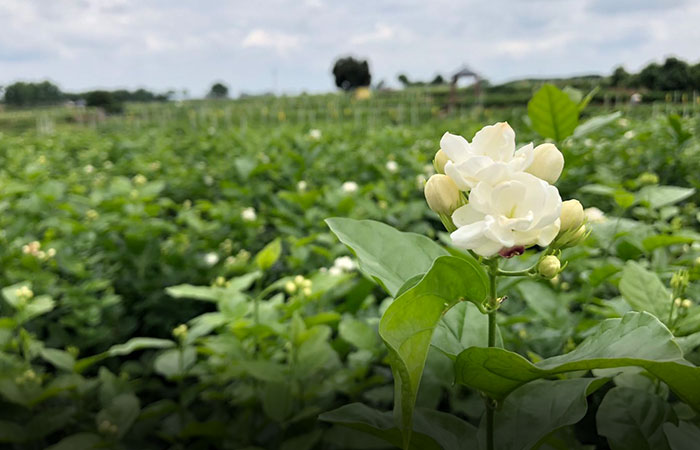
<point>358,333</point>
<point>544,302</point>
<point>690,323</point>
<point>60,359</point>
<point>12,432</point>
<point>633,420</point>
<point>587,99</point>
<point>175,361</point>
<point>79,441</point>
<point>269,255</point>
<point>664,240</point>
<point>596,123</point>
<point>637,339</point>
<point>214,293</point>
<point>644,291</point>
<point>536,409</point>
<point>658,196</point>
<point>432,429</point>
<point>683,437</point>
<point>132,345</point>
<point>389,256</point>
<point>277,401</point>
<point>461,327</point>
<point>121,414</point>
<point>305,441</point>
<point>10,293</point>
<point>407,325</point>
<point>552,113</point>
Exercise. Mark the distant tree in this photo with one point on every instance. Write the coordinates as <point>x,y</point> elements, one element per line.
<point>403,79</point>
<point>438,80</point>
<point>106,100</point>
<point>674,75</point>
<point>32,94</point>
<point>695,75</point>
<point>619,77</point>
<point>649,76</point>
<point>218,90</point>
<point>351,73</point>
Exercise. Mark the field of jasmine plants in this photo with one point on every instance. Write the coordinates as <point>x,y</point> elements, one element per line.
<point>189,277</point>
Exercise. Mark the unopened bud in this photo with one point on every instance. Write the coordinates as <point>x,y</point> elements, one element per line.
<point>549,266</point>
<point>290,287</point>
<point>442,194</point>
<point>439,161</point>
<point>571,216</point>
<point>678,302</point>
<point>686,303</point>
<point>547,164</point>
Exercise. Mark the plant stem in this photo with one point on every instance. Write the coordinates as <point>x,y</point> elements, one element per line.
<point>493,304</point>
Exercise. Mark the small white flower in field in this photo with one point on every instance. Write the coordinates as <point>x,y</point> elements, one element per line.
<point>491,157</point>
<point>211,258</point>
<point>571,215</point>
<point>180,331</point>
<point>301,186</point>
<point>299,279</point>
<point>41,255</point>
<point>315,134</point>
<point>51,252</point>
<point>220,281</point>
<point>24,293</point>
<point>344,263</point>
<point>208,180</point>
<point>547,164</point>
<point>307,291</point>
<point>623,122</point>
<point>588,142</point>
<point>139,179</point>
<point>630,134</point>
<point>440,160</point>
<point>508,217</point>
<point>594,215</point>
<point>687,303</point>
<point>382,204</point>
<point>290,287</point>
<point>249,214</point>
<point>91,214</point>
<point>89,168</point>
<point>335,271</point>
<point>350,187</point>
<point>442,194</point>
<point>677,302</point>
<point>392,166</point>
<point>306,283</point>
<point>32,248</point>
<point>549,267</point>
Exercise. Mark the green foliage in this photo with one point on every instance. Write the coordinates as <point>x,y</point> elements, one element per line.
<point>553,113</point>
<point>32,94</point>
<point>351,73</point>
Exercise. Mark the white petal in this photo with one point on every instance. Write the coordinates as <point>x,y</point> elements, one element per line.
<point>452,171</point>
<point>480,197</point>
<point>456,147</point>
<point>469,236</point>
<point>547,234</point>
<point>488,248</point>
<point>496,141</point>
<point>466,215</point>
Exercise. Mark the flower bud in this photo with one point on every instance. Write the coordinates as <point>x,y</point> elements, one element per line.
<point>549,266</point>
<point>442,194</point>
<point>571,216</point>
<point>687,303</point>
<point>547,164</point>
<point>440,160</point>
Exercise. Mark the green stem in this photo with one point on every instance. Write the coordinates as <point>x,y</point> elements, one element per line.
<point>493,308</point>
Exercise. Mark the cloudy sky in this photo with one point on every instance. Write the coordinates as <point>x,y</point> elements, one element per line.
<point>290,45</point>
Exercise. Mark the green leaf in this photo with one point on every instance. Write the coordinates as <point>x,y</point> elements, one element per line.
<point>658,196</point>
<point>596,123</point>
<point>663,240</point>
<point>214,293</point>
<point>389,256</point>
<point>79,441</point>
<point>644,291</point>
<point>11,432</point>
<point>121,413</point>
<point>587,99</point>
<point>544,302</point>
<point>534,410</point>
<point>432,429</point>
<point>407,325</point>
<point>683,437</point>
<point>553,114</point>
<point>58,358</point>
<point>461,327</point>
<point>132,345</point>
<point>358,333</point>
<point>175,361</point>
<point>637,339</point>
<point>633,420</point>
<point>269,255</point>
<point>277,401</point>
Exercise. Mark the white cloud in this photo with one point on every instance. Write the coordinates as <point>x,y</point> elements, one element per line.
<point>281,42</point>
<point>381,33</point>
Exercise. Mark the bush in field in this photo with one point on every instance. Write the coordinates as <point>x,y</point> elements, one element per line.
<point>351,73</point>
<point>32,94</point>
<point>218,90</point>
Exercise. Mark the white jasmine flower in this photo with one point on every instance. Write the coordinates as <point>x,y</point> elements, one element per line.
<point>491,156</point>
<point>211,258</point>
<point>594,215</point>
<point>350,186</point>
<point>301,186</point>
<point>392,166</point>
<point>89,168</point>
<point>249,214</point>
<point>519,212</point>
<point>344,263</point>
<point>630,134</point>
<point>315,134</point>
<point>335,271</point>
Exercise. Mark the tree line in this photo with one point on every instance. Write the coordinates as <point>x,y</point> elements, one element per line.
<point>673,75</point>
